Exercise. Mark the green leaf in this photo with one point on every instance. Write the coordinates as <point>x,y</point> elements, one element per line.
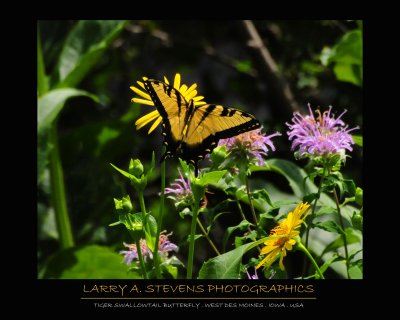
<point>82,49</point>
<point>224,266</point>
<point>353,254</point>
<point>50,104</point>
<point>351,237</point>
<point>170,270</point>
<point>348,73</point>
<point>294,175</point>
<point>87,262</point>
<point>124,173</point>
<point>348,58</point>
<point>150,231</point>
<point>325,210</point>
<point>359,196</point>
<point>358,140</point>
<point>211,177</point>
<point>244,66</point>
<point>330,226</point>
<point>243,225</point>
<point>262,196</point>
<point>355,272</point>
<point>252,236</point>
<point>43,85</point>
<point>328,262</point>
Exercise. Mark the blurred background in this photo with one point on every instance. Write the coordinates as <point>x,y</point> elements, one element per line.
<point>268,68</point>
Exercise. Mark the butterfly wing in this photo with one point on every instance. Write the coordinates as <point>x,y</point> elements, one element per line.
<point>174,111</point>
<point>209,124</point>
<point>195,131</point>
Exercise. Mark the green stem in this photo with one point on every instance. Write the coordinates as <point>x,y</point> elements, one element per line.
<point>191,243</point>
<point>142,205</point>
<point>311,218</point>
<point>253,212</point>
<point>207,237</point>
<point>308,254</point>
<point>343,234</point>
<point>58,191</point>
<point>140,255</point>
<point>240,209</point>
<point>159,223</point>
<point>145,218</point>
<point>244,218</point>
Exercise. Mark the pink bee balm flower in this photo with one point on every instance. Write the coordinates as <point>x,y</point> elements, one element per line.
<point>253,144</point>
<point>319,136</point>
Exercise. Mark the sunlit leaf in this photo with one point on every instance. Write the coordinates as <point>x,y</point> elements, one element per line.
<point>224,266</point>
<point>88,262</point>
<point>50,104</point>
<point>82,49</point>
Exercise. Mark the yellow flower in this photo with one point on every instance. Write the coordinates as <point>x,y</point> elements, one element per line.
<point>189,93</point>
<point>282,236</point>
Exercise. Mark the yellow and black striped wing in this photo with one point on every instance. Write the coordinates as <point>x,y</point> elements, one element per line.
<point>193,131</point>
<point>209,124</point>
<point>174,111</point>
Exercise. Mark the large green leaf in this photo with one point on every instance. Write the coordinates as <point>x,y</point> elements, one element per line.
<point>88,262</point>
<point>42,81</point>
<point>50,104</point>
<point>347,56</point>
<point>329,225</point>
<point>82,49</point>
<point>351,237</point>
<point>297,179</point>
<point>295,175</point>
<point>224,266</point>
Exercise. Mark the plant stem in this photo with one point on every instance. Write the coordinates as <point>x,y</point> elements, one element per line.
<point>159,222</point>
<point>314,207</point>
<point>207,237</point>
<point>308,254</point>
<point>58,191</point>
<point>251,203</point>
<point>344,234</point>
<point>146,227</point>
<point>311,218</point>
<point>140,255</point>
<point>191,243</point>
<point>244,217</point>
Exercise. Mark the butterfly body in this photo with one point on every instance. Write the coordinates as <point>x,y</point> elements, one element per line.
<point>190,131</point>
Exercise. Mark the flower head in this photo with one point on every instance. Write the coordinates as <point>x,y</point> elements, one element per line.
<point>252,145</point>
<point>282,236</point>
<point>133,254</point>
<point>164,247</point>
<point>320,136</point>
<point>189,93</point>
<point>181,191</point>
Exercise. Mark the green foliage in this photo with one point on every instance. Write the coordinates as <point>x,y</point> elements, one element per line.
<point>87,262</point>
<point>82,49</point>
<point>330,226</point>
<point>351,237</point>
<point>225,266</point>
<point>51,103</point>
<point>347,57</point>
